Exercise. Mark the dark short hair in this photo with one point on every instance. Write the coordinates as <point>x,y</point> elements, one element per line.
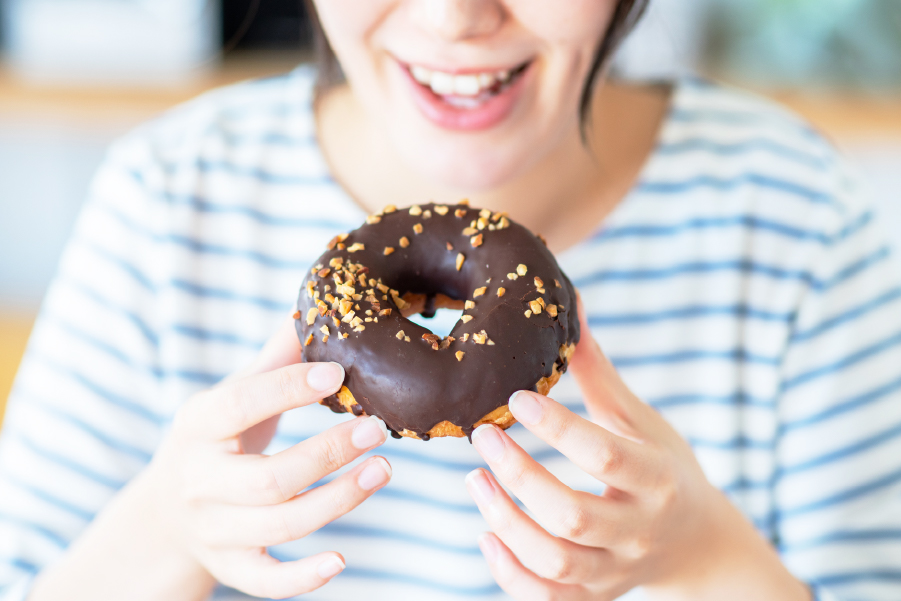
<point>625,16</point>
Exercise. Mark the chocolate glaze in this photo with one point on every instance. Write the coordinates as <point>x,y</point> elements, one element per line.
<point>408,384</point>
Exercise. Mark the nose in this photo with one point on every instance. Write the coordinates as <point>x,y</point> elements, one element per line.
<point>456,20</point>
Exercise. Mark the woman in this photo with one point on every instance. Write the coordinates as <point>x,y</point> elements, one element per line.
<point>725,261</point>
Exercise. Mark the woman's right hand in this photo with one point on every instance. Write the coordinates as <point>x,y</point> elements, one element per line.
<point>222,503</point>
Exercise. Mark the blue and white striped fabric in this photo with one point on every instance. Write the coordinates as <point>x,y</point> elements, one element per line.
<point>743,288</point>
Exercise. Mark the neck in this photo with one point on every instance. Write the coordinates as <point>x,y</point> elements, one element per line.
<point>564,197</point>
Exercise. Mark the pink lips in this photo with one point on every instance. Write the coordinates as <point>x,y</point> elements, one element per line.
<point>487,114</point>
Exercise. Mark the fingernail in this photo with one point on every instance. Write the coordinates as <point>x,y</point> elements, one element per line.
<point>488,546</point>
<point>325,376</point>
<point>330,568</point>
<point>371,431</point>
<point>376,473</point>
<point>488,442</point>
<point>525,408</point>
<point>480,486</point>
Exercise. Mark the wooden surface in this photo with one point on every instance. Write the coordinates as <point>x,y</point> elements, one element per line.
<point>14,331</point>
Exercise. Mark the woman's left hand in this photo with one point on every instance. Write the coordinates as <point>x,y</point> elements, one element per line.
<point>659,523</point>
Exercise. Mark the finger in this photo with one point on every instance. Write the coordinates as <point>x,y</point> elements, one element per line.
<point>577,516</point>
<point>270,525</point>
<point>616,461</point>
<point>608,400</point>
<point>517,581</point>
<point>226,412</point>
<point>260,575</point>
<point>548,556</point>
<point>262,480</point>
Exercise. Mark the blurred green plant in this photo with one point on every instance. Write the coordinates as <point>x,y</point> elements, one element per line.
<point>820,43</point>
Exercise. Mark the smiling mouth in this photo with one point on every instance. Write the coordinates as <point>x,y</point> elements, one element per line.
<point>466,91</point>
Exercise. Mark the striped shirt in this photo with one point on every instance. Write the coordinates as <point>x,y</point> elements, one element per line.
<point>742,288</point>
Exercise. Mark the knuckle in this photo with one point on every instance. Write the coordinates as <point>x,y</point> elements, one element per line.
<point>611,459</point>
<point>288,382</point>
<point>329,454</point>
<point>270,486</point>
<point>575,523</point>
<point>279,529</point>
<point>559,566</point>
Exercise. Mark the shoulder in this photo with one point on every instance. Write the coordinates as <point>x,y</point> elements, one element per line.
<point>271,111</point>
<point>751,151</point>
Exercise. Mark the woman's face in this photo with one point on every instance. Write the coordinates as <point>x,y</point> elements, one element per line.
<point>471,93</point>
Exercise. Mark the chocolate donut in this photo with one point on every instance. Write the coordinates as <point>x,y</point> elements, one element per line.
<point>518,330</point>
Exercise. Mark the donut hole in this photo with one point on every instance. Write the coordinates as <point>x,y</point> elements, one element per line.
<point>441,323</point>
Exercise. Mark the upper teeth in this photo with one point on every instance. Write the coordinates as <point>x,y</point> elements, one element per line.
<point>446,84</point>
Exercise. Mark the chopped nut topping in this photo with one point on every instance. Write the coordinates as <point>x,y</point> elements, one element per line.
<point>535,306</point>
<point>314,270</point>
<point>415,210</point>
<point>540,237</point>
<point>329,298</point>
<point>322,308</point>
<point>399,335</point>
<point>311,316</point>
<point>460,213</point>
<point>445,344</point>
<point>501,292</point>
<point>476,241</point>
<point>465,337</point>
<point>362,280</point>
<point>389,209</point>
<point>505,223</point>
<point>296,315</point>
<point>491,343</point>
<point>406,339</point>
<point>552,310</point>
<point>369,312</point>
<point>470,231</point>
<point>480,338</point>
<point>327,287</point>
<point>469,305</point>
<point>343,237</point>
<point>522,269</point>
<point>346,290</point>
<point>482,223</point>
<point>356,321</point>
<point>441,210</point>
<point>349,317</point>
<point>479,291</point>
<point>372,219</point>
<point>332,243</point>
<point>382,287</point>
<point>325,338</point>
<point>539,283</point>
<point>324,329</point>
<point>341,246</point>
<point>491,227</point>
<point>426,214</point>
<point>385,312</point>
<point>459,355</point>
<point>308,341</point>
<point>528,314</point>
<point>417,228</point>
<point>512,276</point>
<point>449,246</point>
<point>432,339</point>
<point>343,336</point>
<point>358,297</point>
<point>498,215</point>
<point>404,242</point>
<point>541,302</point>
<point>336,321</point>
<point>359,328</point>
<point>388,250</point>
<point>464,202</point>
<point>561,307</point>
<point>356,246</point>
<point>460,259</point>
<point>367,319</point>
<point>345,306</point>
<point>557,284</point>
<point>310,287</point>
<point>484,213</point>
<point>466,318</point>
<point>336,262</point>
<point>372,284</point>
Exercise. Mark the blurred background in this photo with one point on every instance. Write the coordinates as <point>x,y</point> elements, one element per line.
<point>75,74</point>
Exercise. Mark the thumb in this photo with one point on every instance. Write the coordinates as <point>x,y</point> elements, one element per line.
<point>608,400</point>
